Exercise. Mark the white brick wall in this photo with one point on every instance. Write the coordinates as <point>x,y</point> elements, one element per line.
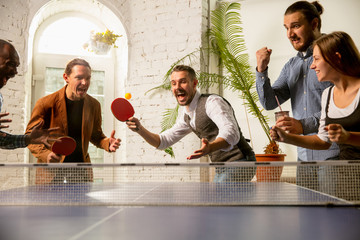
<point>159,32</point>
<point>162,33</point>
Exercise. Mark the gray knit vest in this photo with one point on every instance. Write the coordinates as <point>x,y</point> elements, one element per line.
<point>206,128</point>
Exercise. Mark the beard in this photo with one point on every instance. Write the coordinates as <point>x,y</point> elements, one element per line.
<point>188,101</point>
<point>306,42</point>
<point>189,98</point>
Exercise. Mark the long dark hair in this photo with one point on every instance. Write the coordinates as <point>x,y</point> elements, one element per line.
<point>342,43</point>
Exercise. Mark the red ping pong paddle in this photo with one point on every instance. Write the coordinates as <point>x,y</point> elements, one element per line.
<point>122,109</point>
<point>65,147</point>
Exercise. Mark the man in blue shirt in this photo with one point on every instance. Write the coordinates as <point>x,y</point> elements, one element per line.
<point>297,81</point>
<point>9,61</point>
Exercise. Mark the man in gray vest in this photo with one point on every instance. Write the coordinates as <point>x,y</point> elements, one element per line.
<point>212,119</point>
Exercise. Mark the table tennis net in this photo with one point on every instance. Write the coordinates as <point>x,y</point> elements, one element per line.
<point>266,183</point>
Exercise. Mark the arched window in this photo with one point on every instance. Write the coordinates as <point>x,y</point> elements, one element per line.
<point>61,37</point>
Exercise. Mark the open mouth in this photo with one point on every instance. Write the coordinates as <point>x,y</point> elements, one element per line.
<point>181,96</point>
<point>82,90</point>
<point>295,40</point>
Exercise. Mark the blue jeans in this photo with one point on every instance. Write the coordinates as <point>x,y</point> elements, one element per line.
<point>235,174</point>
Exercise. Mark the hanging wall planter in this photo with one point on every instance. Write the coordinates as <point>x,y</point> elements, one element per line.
<point>101,42</point>
<point>100,48</point>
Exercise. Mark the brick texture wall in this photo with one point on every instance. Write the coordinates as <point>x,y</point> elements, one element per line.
<point>159,32</point>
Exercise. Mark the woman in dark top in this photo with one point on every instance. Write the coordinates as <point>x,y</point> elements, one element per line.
<point>336,59</point>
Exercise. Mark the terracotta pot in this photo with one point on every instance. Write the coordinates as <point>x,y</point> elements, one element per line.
<point>269,174</point>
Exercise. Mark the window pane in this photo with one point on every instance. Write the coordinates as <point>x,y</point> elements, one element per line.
<point>67,36</point>
<point>53,79</point>
<point>97,83</point>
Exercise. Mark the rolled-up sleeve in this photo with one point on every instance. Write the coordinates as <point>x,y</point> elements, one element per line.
<point>174,134</point>
<point>222,114</point>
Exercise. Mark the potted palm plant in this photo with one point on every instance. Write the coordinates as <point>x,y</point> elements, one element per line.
<point>227,44</point>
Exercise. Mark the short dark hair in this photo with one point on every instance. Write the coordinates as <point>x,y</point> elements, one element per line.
<point>310,10</point>
<point>342,43</point>
<point>188,69</point>
<point>74,62</point>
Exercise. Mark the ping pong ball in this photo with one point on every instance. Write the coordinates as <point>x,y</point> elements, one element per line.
<point>128,96</point>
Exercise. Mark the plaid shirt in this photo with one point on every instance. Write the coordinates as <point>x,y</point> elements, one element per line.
<point>8,141</point>
<point>12,141</point>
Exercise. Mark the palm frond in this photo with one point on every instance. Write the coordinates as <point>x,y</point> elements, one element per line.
<point>164,86</point>
<point>170,151</point>
<point>226,34</point>
<point>207,80</point>
<point>189,59</point>
<point>169,118</point>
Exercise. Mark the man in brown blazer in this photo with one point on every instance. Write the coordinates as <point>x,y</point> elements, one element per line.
<point>78,115</point>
